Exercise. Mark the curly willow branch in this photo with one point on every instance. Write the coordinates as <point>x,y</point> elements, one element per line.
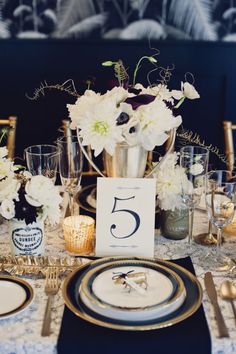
<point>188,136</point>
<point>68,86</point>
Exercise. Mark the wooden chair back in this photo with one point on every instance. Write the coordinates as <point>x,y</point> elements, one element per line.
<point>65,129</point>
<point>229,128</point>
<point>10,124</point>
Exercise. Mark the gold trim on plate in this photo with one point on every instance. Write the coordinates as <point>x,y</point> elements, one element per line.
<point>26,302</point>
<point>118,263</point>
<point>146,327</point>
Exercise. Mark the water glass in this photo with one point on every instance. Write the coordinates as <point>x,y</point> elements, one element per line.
<point>42,160</point>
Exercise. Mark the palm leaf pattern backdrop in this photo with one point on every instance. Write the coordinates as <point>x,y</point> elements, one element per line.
<point>120,19</point>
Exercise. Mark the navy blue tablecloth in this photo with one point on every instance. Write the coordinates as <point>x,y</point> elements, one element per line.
<point>189,336</point>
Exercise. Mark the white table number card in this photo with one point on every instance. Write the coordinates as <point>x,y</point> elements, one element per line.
<point>125,216</point>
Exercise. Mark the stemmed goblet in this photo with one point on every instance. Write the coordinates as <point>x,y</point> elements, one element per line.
<point>70,166</point>
<point>220,205</point>
<point>194,160</point>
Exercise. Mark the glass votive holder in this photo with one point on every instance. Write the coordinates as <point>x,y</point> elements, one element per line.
<point>78,233</point>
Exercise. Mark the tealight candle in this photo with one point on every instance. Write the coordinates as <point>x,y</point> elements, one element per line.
<point>79,234</point>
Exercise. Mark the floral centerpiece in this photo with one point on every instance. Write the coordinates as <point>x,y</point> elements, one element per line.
<point>128,114</point>
<point>26,201</point>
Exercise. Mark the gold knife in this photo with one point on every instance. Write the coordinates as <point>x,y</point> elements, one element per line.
<point>211,292</point>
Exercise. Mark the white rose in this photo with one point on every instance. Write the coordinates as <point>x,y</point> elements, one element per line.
<point>9,189</point>
<point>196,169</point>
<point>39,190</point>
<point>6,168</point>
<point>52,213</point>
<point>7,209</point>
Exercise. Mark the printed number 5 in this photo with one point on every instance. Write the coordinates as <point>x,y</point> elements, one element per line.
<point>131,212</point>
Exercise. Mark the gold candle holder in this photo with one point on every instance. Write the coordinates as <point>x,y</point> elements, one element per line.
<point>231,228</point>
<point>79,234</point>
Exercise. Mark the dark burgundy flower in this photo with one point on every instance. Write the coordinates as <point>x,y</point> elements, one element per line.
<point>122,119</point>
<point>140,100</point>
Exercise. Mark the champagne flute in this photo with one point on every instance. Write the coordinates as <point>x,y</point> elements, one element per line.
<point>70,166</point>
<point>194,160</point>
<point>220,205</point>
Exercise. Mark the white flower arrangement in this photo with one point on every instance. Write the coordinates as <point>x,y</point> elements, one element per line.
<point>171,183</point>
<point>128,113</point>
<point>26,197</point>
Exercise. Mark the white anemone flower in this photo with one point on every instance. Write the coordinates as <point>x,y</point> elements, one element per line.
<point>99,128</point>
<point>7,209</point>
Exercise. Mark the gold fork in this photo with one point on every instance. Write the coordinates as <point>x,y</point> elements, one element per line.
<point>51,288</point>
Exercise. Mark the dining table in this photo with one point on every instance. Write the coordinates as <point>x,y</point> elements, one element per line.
<point>22,332</point>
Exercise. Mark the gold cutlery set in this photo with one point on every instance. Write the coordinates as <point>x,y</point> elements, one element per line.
<point>227,292</point>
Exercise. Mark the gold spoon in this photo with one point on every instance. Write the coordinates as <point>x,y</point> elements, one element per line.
<point>228,293</point>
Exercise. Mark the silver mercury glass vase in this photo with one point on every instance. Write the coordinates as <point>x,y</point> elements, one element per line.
<point>174,225</point>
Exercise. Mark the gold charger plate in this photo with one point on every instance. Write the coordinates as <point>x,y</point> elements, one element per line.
<point>190,306</point>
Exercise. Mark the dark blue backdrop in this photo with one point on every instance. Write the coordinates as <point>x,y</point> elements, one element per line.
<point>25,64</point>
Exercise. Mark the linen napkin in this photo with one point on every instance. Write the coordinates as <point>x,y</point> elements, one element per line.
<point>189,336</point>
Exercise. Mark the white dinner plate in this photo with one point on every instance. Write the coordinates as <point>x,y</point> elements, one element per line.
<point>15,296</point>
<point>105,295</point>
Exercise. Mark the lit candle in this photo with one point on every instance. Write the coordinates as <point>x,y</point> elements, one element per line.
<point>79,234</point>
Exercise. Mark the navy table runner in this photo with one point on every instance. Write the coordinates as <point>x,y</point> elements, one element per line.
<point>189,336</point>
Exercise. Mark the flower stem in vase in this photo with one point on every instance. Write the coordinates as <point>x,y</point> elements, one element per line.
<point>190,236</point>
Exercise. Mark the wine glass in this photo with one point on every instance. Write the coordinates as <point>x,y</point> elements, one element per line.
<point>220,205</point>
<point>70,166</point>
<point>42,160</point>
<point>194,160</point>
